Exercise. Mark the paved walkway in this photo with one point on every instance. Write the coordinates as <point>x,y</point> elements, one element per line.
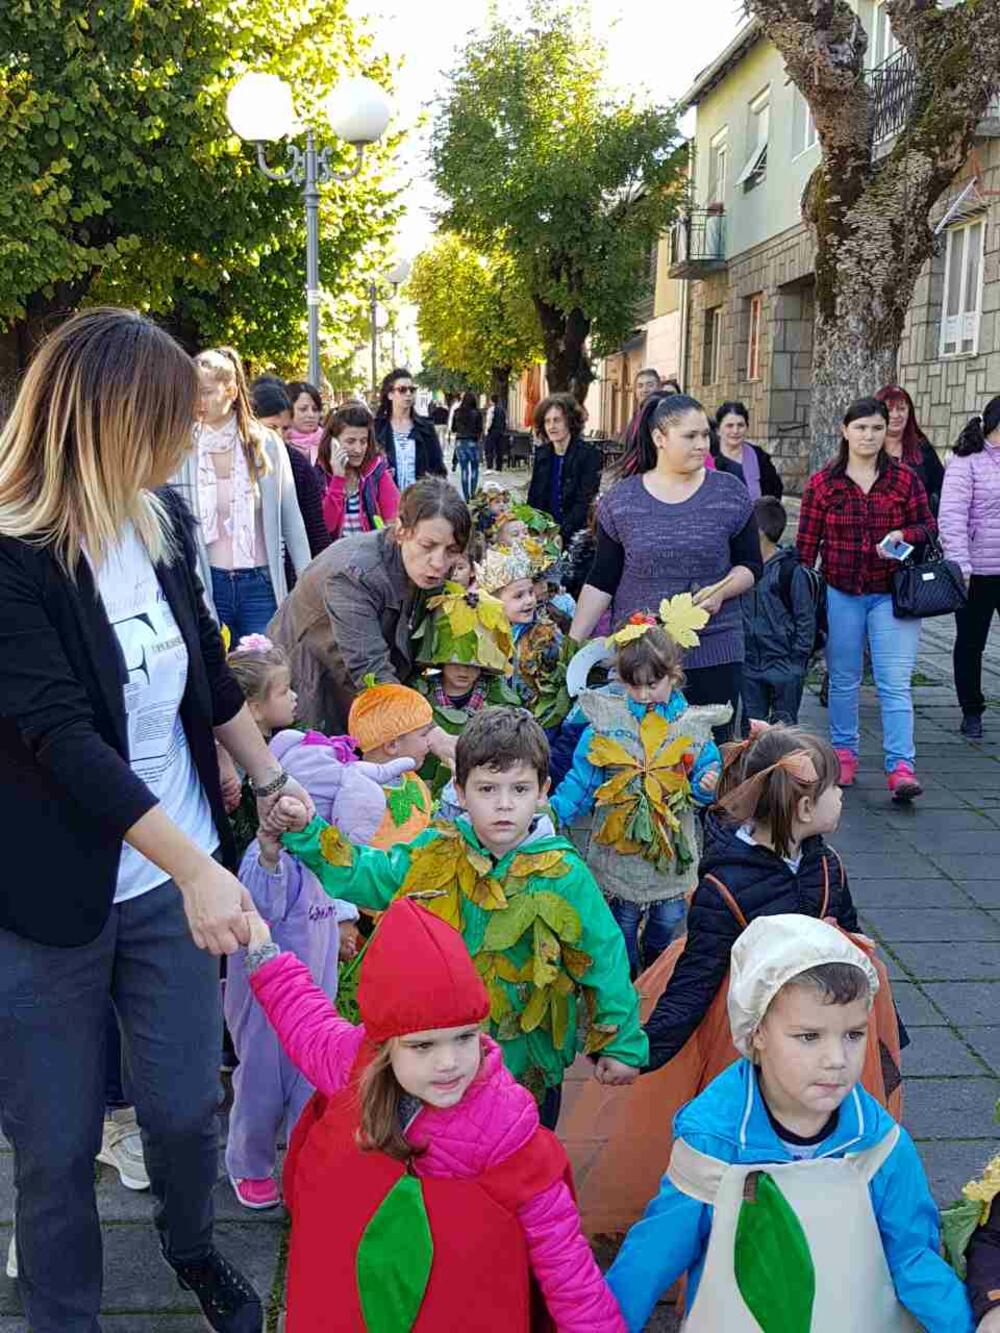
<point>926,884</point>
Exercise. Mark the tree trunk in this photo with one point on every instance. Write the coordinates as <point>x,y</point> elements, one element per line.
<point>44,313</point>
<point>564,337</point>
<point>501,383</point>
<point>845,368</point>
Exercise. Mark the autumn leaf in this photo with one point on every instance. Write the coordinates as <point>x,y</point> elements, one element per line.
<point>491,612</point>
<point>615,789</point>
<point>613,828</point>
<point>607,753</point>
<point>671,755</point>
<point>465,876</point>
<point>653,788</point>
<point>447,906</point>
<point>488,894</point>
<point>599,1035</point>
<point>547,864</point>
<point>504,929</point>
<point>477,860</point>
<point>434,866</point>
<point>560,916</point>
<point>629,632</point>
<point>546,953</point>
<point>653,731</point>
<point>333,848</point>
<point>500,1005</point>
<point>682,619</point>
<point>535,1010</point>
<point>559,1010</point>
<point>575,961</point>
<point>508,972</point>
<point>462,618</point>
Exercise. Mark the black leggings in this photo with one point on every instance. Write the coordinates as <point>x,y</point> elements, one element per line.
<point>973,622</point>
<point>716,685</point>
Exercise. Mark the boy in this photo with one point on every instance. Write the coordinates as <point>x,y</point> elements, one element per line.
<point>392,722</point>
<point>792,1200</point>
<point>528,909</point>
<point>779,626</point>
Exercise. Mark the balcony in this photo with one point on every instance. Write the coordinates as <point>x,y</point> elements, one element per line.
<point>894,88</point>
<point>698,243</point>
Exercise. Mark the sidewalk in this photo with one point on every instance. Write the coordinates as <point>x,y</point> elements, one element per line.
<point>926,885</point>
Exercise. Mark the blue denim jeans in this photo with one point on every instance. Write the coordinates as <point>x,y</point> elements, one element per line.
<point>893,645</point>
<point>467,453</point>
<point>664,920</point>
<point>244,600</point>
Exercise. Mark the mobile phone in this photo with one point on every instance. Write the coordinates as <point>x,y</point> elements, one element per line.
<point>895,550</point>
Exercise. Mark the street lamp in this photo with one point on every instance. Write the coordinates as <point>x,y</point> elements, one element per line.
<point>260,109</point>
<point>396,275</point>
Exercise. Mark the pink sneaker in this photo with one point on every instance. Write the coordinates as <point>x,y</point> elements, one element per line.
<point>903,782</point>
<point>848,767</point>
<point>257,1194</point>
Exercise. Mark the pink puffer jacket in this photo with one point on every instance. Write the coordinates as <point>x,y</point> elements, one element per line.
<point>494,1119</point>
<point>969,517</point>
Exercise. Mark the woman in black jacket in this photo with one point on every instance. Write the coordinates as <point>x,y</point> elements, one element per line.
<point>566,473</point>
<point>732,452</point>
<point>907,443</point>
<point>409,442</point>
<point>468,427</point>
<point>113,690</point>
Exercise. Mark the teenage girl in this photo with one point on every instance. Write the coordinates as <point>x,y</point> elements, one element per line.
<point>360,491</point>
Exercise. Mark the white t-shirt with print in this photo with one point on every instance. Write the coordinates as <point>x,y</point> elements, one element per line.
<point>406,458</point>
<point>156,660</point>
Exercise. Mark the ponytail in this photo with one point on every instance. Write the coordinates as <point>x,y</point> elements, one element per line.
<point>973,437</point>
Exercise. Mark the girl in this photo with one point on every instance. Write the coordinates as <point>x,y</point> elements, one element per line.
<point>268,1092</point>
<point>849,507</point>
<point>420,1183</point>
<point>764,854</point>
<point>238,483</point>
<point>644,762</point>
<point>360,492</point>
<point>307,412</point>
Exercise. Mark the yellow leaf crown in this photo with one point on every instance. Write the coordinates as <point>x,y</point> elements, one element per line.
<point>678,615</point>
<point>502,566</point>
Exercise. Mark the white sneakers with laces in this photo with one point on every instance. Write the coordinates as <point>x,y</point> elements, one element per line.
<point>121,1147</point>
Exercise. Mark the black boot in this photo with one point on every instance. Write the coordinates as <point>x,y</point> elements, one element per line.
<point>972,726</point>
<point>228,1301</point>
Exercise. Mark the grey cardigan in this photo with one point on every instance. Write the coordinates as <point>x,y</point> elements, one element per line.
<point>283,526</point>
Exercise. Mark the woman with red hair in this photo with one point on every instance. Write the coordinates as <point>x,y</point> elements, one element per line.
<point>907,443</point>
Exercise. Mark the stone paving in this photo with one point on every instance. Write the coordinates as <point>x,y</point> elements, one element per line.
<point>926,883</point>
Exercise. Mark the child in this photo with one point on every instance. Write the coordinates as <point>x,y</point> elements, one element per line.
<point>394,722</point>
<point>360,492</point>
<point>488,506</point>
<point>643,763</point>
<point>508,531</point>
<point>422,1188</point>
<point>528,908</point>
<point>509,574</point>
<point>971,1231</point>
<point>793,1200</point>
<point>779,625</point>
<point>268,1093</point>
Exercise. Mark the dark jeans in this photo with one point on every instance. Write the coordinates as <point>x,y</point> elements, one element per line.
<point>716,685</point>
<point>973,623</point>
<point>114,1073</point>
<point>53,1034</point>
<point>770,700</point>
<point>467,454</point>
<point>663,920</point>
<point>548,1112</point>
<point>244,600</point>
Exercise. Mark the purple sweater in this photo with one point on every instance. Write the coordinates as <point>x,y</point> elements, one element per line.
<point>969,516</point>
<point>672,548</point>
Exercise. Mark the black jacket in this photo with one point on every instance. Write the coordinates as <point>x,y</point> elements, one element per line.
<point>930,470</point>
<point>309,493</point>
<point>770,481</point>
<point>581,478</point>
<point>983,1258</point>
<point>467,424</point>
<point>498,422</point>
<point>429,457</point>
<point>67,792</point>
<point>762,885</point>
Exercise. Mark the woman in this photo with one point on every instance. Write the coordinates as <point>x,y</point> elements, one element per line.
<point>671,525</point>
<point>860,499</point>
<point>907,443</point>
<point>354,612</point>
<point>237,481</point>
<point>409,442</point>
<point>468,426</point>
<point>970,532</point>
<point>112,681</point>
<point>732,452</point>
<point>272,409</point>
<point>307,415</point>
<point>566,472</point>
<point>360,493</point>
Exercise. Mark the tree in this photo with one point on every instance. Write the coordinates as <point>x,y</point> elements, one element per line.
<point>439,379</point>
<point>534,159</point>
<point>122,181</point>
<point>474,312</point>
<point>870,215</point>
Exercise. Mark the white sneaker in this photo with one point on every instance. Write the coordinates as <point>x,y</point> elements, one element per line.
<point>121,1147</point>
<point>12,1257</point>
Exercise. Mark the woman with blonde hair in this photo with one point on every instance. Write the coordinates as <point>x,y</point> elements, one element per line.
<point>113,689</point>
<point>238,483</point>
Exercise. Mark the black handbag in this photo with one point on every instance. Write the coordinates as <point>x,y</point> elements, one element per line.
<point>929,587</point>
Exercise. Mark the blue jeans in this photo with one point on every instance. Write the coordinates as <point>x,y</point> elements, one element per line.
<point>467,453</point>
<point>244,600</point>
<point>893,645</point>
<point>664,920</point>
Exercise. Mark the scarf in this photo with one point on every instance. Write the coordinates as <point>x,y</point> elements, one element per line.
<point>241,523</point>
<point>306,442</point>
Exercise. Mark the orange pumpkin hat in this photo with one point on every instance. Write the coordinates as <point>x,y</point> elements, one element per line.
<point>384,713</point>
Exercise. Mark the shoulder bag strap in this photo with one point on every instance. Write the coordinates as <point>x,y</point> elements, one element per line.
<point>728,899</point>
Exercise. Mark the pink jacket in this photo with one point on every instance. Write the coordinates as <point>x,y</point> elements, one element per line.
<point>495,1118</point>
<point>381,492</point>
<point>969,516</point>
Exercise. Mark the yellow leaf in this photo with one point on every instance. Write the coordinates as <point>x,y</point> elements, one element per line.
<point>227,637</point>
<point>627,633</point>
<point>671,755</point>
<point>613,827</point>
<point>478,861</point>
<point>491,611</point>
<point>670,780</point>
<point>433,867</point>
<point>447,906</point>
<point>333,848</point>
<point>606,753</point>
<point>559,1009</point>
<point>465,876</point>
<point>615,788</point>
<point>528,864</point>
<point>462,618</point>
<point>653,788</point>
<point>485,965</point>
<point>506,969</point>
<point>547,955</point>
<point>653,732</point>
<point>682,619</point>
<point>500,1005</point>
<point>560,916</point>
<point>599,1036</point>
<point>535,1010</point>
<point>575,961</point>
<point>488,894</point>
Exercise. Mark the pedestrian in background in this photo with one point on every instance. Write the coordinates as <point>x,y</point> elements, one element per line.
<point>360,493</point>
<point>307,417</point>
<point>907,443</point>
<point>273,410</point>
<point>468,427</point>
<point>566,473</point>
<point>409,441</point>
<point>496,434</point>
<point>646,382</point>
<point>732,452</point>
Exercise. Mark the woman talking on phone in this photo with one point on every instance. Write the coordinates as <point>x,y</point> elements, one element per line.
<point>859,513</point>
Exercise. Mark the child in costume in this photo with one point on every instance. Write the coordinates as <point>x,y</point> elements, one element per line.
<point>268,1092</point>
<point>466,635</point>
<point>793,1201</point>
<point>970,1228</point>
<point>421,1187</point>
<point>393,722</point>
<point>643,764</point>
<point>528,908</point>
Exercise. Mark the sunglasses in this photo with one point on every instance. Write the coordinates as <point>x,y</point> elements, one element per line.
<point>406,388</point>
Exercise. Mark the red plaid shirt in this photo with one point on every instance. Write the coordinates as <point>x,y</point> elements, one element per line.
<point>844,525</point>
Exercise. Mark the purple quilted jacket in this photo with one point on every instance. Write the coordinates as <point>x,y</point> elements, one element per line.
<point>969,517</point>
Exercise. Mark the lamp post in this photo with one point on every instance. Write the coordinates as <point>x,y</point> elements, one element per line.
<point>260,109</point>
<point>396,275</point>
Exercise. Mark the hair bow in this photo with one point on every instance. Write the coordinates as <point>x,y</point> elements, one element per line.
<point>254,643</point>
<point>742,801</point>
<point>344,747</point>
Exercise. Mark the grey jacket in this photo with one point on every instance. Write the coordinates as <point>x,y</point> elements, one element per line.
<point>779,640</point>
<point>283,525</point>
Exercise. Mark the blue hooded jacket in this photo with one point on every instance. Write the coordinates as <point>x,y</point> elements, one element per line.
<point>729,1121</point>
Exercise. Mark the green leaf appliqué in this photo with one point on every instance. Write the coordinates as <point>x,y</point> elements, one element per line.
<point>773,1266</point>
<point>394,1259</point>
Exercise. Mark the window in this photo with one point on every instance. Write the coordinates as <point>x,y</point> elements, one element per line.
<point>883,45</point>
<point>757,130</point>
<point>963,289</point>
<point>755,311</point>
<point>711,345</point>
<point>803,125</point>
<point>718,157</point>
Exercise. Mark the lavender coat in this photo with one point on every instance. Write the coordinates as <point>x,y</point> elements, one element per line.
<point>969,516</point>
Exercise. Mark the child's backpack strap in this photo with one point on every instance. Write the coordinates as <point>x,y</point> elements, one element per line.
<point>728,899</point>
<point>824,906</point>
<point>870,1162</point>
<point>694,1173</point>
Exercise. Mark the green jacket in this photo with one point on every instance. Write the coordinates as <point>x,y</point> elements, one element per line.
<point>535,922</point>
<point>436,774</point>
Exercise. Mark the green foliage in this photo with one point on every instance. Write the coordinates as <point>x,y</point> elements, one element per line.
<point>474,310</point>
<point>439,378</point>
<point>123,183</point>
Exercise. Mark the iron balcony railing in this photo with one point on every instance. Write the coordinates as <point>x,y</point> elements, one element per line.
<point>697,242</point>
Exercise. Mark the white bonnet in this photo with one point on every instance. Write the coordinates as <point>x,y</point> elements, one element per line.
<point>770,952</point>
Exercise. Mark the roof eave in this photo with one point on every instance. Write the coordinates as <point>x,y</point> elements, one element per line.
<point>722,64</point>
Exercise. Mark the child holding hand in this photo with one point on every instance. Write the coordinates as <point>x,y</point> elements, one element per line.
<point>424,1194</point>
<point>393,722</point>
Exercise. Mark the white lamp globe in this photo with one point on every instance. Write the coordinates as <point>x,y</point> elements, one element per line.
<point>398,273</point>
<point>358,110</point>
<point>260,108</point>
